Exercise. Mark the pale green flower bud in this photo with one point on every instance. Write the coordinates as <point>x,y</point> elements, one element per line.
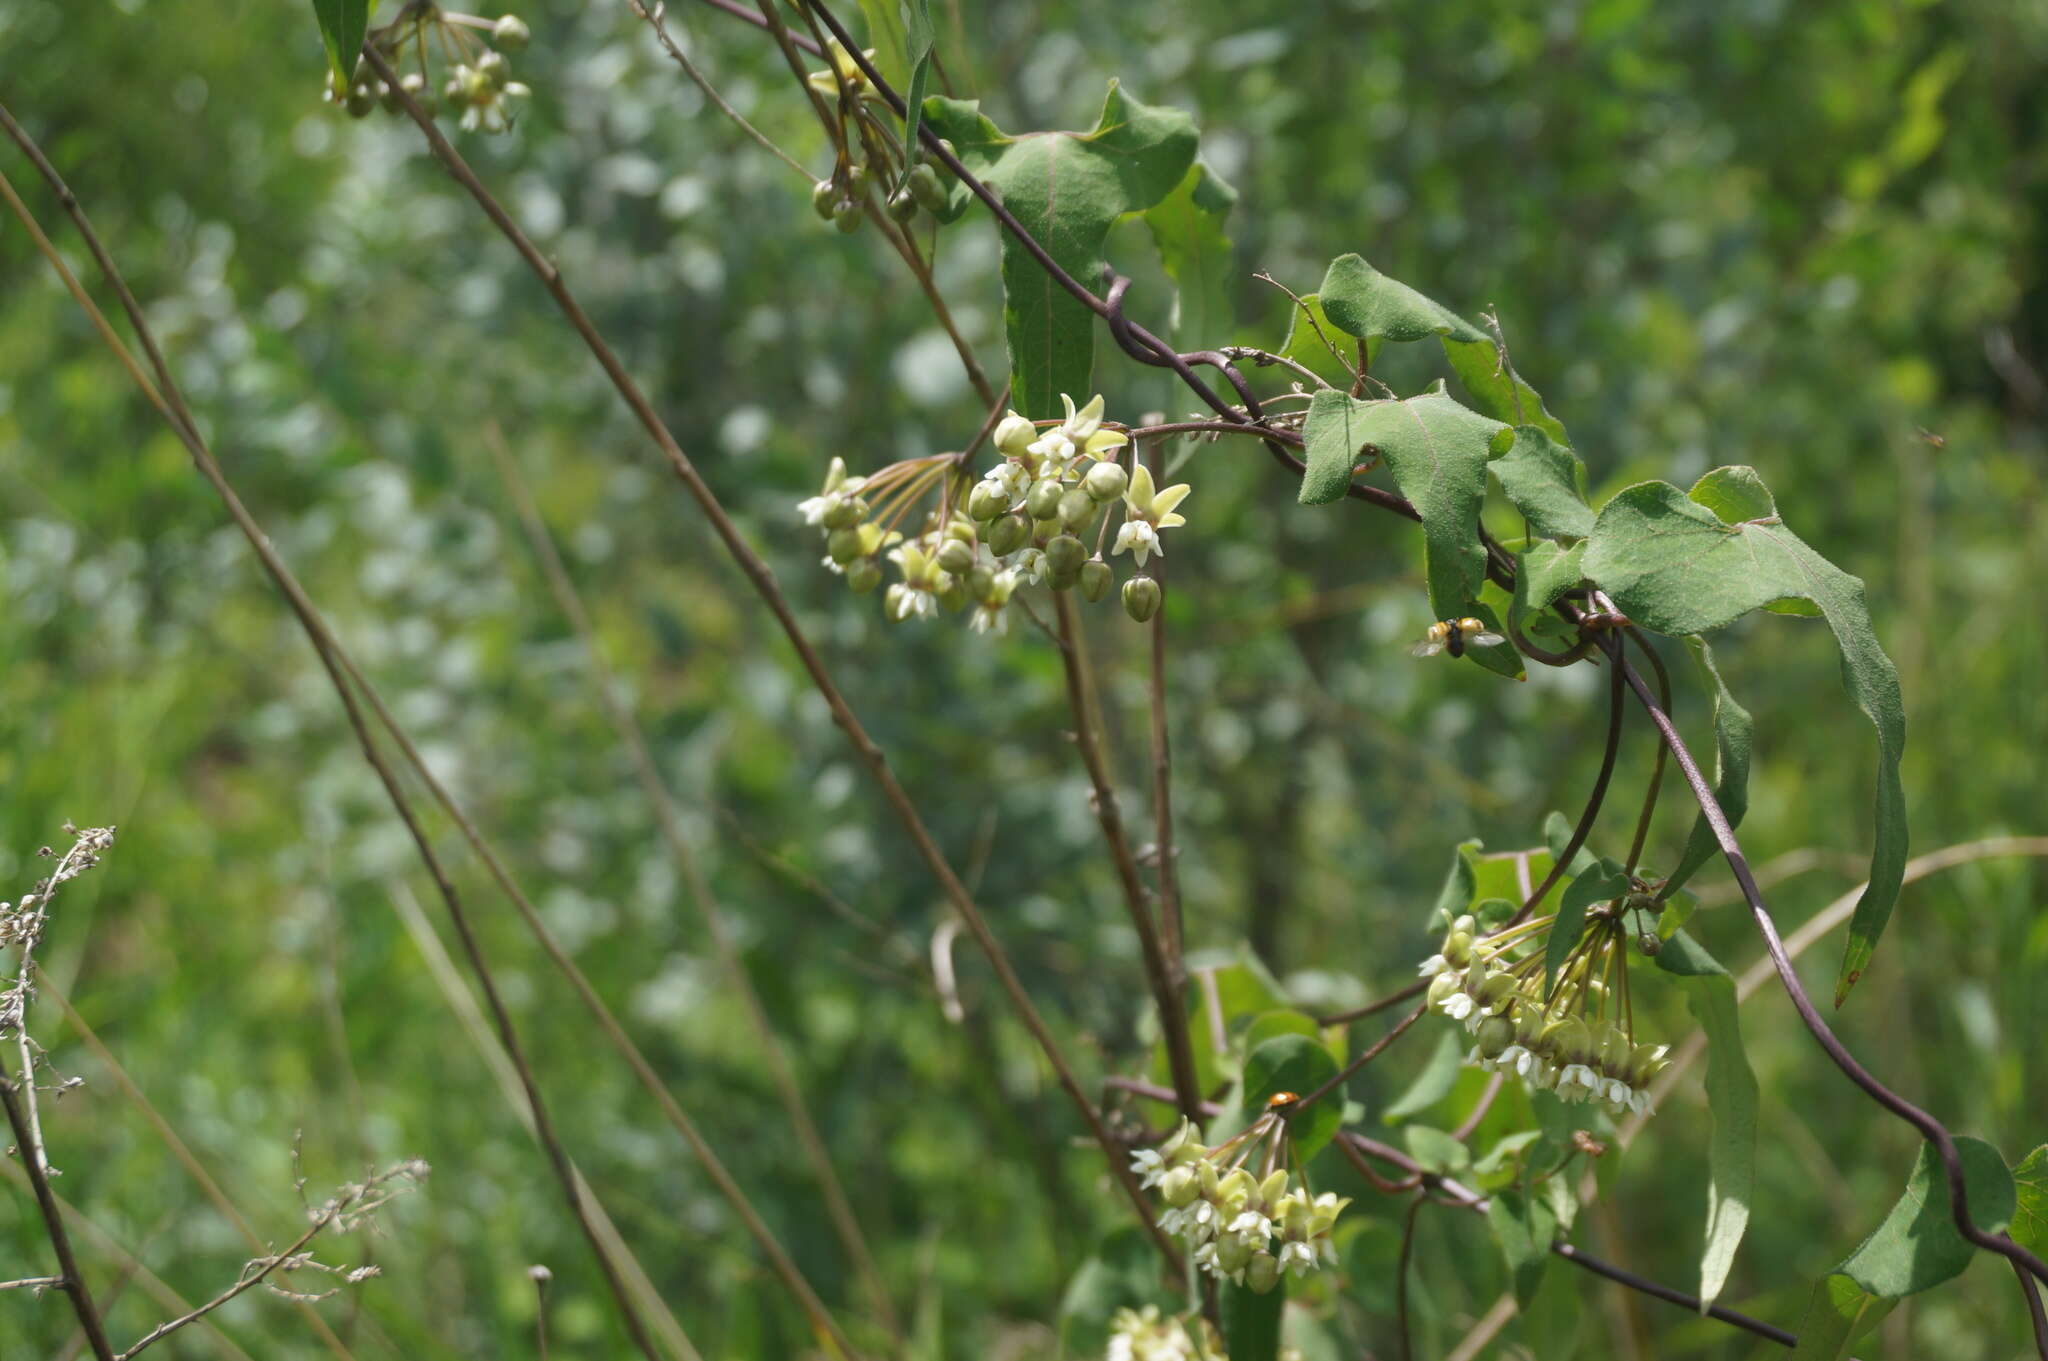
<point>1238,1188</point>
<point>1105,481</point>
<point>842,514</point>
<point>1014,435</point>
<point>1440,987</point>
<point>1007,535</point>
<point>1063,581</point>
<point>1042,502</point>
<point>864,575</point>
<point>493,67</point>
<point>981,583</point>
<point>1141,598</point>
<point>927,189</point>
<point>361,99</point>
<point>843,545</point>
<point>1180,1186</point>
<point>1075,507</point>
<point>1045,529</point>
<point>1273,1187</point>
<point>956,556</point>
<point>1096,579</point>
<point>1233,1254</point>
<point>1458,949</point>
<point>510,33</point>
<point>1263,1272</point>
<point>824,198</point>
<point>1496,1033</point>
<point>1613,1051</point>
<point>846,216</point>
<point>902,206</point>
<point>1064,553</point>
<point>986,501</point>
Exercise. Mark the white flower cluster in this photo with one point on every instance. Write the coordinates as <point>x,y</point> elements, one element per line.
<point>1242,1228</point>
<point>1146,1335</point>
<point>1553,1045</point>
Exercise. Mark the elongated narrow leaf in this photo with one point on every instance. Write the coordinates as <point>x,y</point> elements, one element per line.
<point>1676,564</point>
<point>1840,1312</point>
<point>1606,879</point>
<point>1366,303</point>
<point>2029,1226</point>
<point>1251,1321</point>
<point>342,26</point>
<point>1734,732</point>
<point>1917,1247</point>
<point>1731,1096</point>
<point>1066,189</point>
<point>1460,887</point>
<point>1523,1226</point>
<point>1546,482</point>
<point>1187,227</point>
<point>921,37</point>
<point>1437,451</point>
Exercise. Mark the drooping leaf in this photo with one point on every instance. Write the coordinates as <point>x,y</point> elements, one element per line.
<point>1523,1226</point>
<point>1734,732</point>
<point>1187,226</point>
<point>1122,1273</point>
<point>1546,482</point>
<point>1603,880</point>
<point>920,38</point>
<point>1461,886</point>
<point>888,36</point>
<point>1439,1074</point>
<point>1674,565</point>
<point>1917,1246</point>
<point>1839,1312</point>
<point>1066,189</point>
<point>1545,572</point>
<point>1731,1097</point>
<point>1437,451</point>
<point>342,26</point>
<point>2029,1227</point>
<point>1366,303</point>
<point>1251,1321</point>
<point>1298,1064</point>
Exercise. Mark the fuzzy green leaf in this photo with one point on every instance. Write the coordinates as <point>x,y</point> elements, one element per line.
<point>1366,303</point>
<point>1917,1247</point>
<point>1187,226</point>
<point>1546,481</point>
<point>1066,189</point>
<point>1839,1312</point>
<point>1523,1226</point>
<point>2029,1227</point>
<point>1545,572</point>
<point>1251,1322</point>
<point>1436,1150</point>
<point>1675,565</point>
<point>1606,879</point>
<point>1731,1097</point>
<point>342,26</point>
<point>1734,731</point>
<point>1310,336</point>
<point>1437,451</point>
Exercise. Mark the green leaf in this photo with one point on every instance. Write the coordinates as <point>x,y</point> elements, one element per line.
<point>1437,451</point>
<point>2029,1227</point>
<point>1523,1226</point>
<point>1242,987</point>
<point>1066,189</point>
<point>1436,1150</point>
<point>920,38</point>
<point>1123,1273</point>
<point>1461,886</point>
<point>1251,1322</point>
<point>1365,303</point>
<point>1557,834</point>
<point>889,38</point>
<point>1187,226</point>
<point>1550,1322</point>
<point>1731,1096</point>
<point>1673,564</point>
<point>1840,1312</point>
<point>1734,731</point>
<point>1546,482</point>
<point>342,26</point>
<point>1605,879</point>
<point>1298,1064</point>
<point>1276,1023</point>
<point>1545,572</point>
<point>1439,1074</point>
<point>1917,1247</point>
<point>1309,349</point>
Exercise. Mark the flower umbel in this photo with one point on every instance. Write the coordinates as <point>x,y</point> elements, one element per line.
<point>1243,1228</point>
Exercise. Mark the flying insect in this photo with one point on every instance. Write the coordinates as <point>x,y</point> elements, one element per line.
<point>1455,635</point>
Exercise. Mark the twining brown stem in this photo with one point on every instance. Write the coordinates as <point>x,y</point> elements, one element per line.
<point>668,820</point>
<point>1172,929</point>
<point>71,1278</point>
<point>1377,1048</point>
<point>1930,1128</point>
<point>1173,1020</point>
<point>758,575</point>
<point>171,403</point>
<point>1635,848</point>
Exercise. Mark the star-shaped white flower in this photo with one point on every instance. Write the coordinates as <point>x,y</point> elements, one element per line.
<point>1149,510</point>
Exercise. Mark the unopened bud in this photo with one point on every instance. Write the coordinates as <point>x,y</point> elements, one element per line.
<point>846,216</point>
<point>1106,481</point>
<point>1076,506</point>
<point>986,501</point>
<point>926,187</point>
<point>1064,554</point>
<point>1007,535</point>
<point>1496,1033</point>
<point>902,206</point>
<point>1141,598</point>
<point>842,514</point>
<point>843,545</point>
<point>864,575</point>
<point>824,198</point>
<point>1096,579</point>
<point>1263,1273</point>
<point>510,33</point>
<point>956,556</point>
<point>1042,502</point>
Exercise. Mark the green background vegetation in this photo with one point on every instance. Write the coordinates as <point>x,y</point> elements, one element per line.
<point>1794,236</point>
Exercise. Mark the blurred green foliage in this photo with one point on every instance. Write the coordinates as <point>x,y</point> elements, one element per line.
<point>1805,237</point>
